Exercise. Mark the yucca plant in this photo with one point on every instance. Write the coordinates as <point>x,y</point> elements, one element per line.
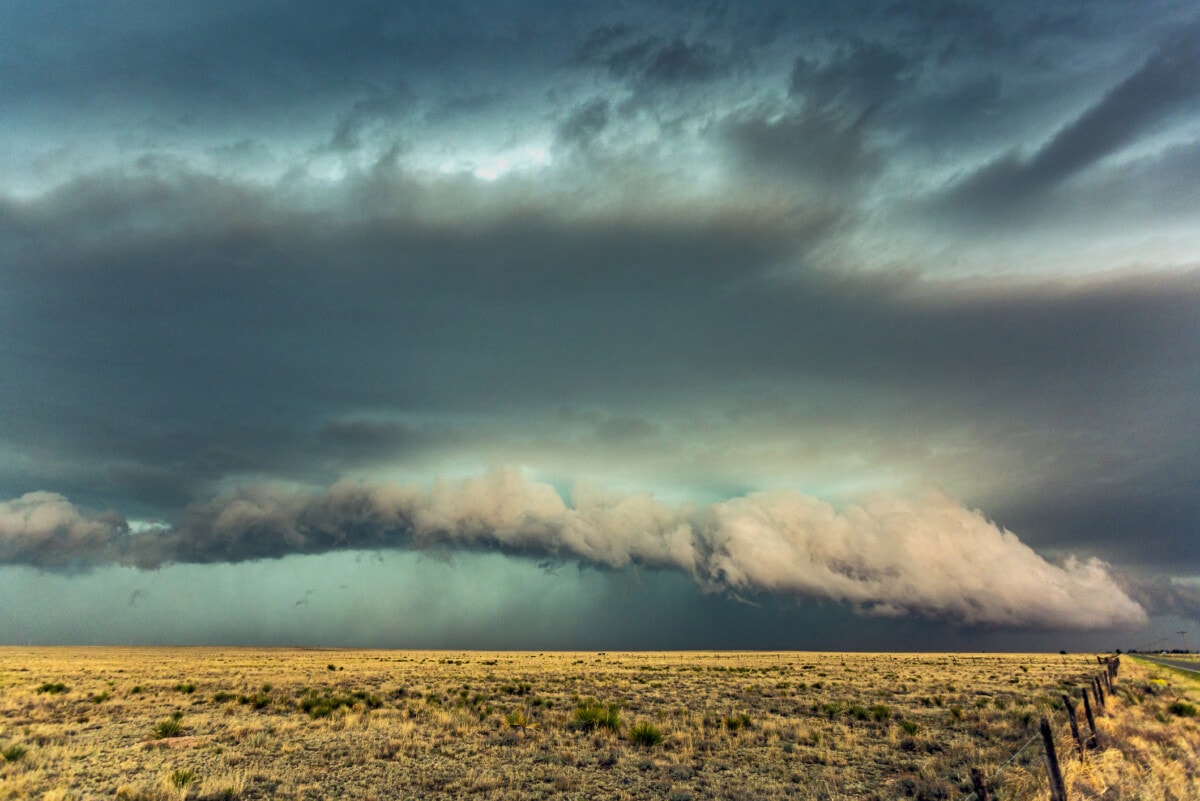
<point>645,734</point>
<point>520,720</point>
<point>183,777</point>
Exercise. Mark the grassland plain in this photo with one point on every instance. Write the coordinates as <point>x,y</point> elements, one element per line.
<point>1150,738</point>
<point>207,723</point>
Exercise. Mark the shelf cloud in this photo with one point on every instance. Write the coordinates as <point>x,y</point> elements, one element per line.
<point>764,271</point>
<point>887,556</point>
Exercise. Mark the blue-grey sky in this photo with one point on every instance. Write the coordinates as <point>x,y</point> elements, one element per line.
<point>572,325</point>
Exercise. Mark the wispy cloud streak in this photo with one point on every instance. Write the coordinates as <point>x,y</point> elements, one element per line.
<point>1166,84</point>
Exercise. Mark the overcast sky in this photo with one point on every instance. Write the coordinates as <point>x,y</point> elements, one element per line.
<point>537,325</point>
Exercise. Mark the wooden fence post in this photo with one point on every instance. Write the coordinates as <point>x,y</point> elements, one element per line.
<point>1099,691</point>
<point>981,789</point>
<point>1093,741</point>
<point>1074,724</point>
<point>1058,791</point>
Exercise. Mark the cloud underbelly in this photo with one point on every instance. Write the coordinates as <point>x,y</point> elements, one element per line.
<point>925,556</point>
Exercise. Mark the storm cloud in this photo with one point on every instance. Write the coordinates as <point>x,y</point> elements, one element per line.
<point>889,556</point>
<point>1167,85</point>
<point>278,290</point>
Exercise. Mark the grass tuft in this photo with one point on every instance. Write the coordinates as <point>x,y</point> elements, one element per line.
<point>645,734</point>
<point>183,778</point>
<point>590,714</point>
<point>168,728</point>
<point>1182,709</point>
<point>739,722</point>
<point>13,752</point>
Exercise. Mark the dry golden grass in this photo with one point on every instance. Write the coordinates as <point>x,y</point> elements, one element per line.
<point>307,724</point>
<point>1151,744</point>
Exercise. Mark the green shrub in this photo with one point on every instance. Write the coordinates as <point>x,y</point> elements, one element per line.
<point>881,712</point>
<point>646,734</point>
<point>910,727</point>
<point>100,698</point>
<point>13,752</point>
<point>53,688</point>
<point>590,714</point>
<point>257,701</point>
<point>323,705</point>
<point>184,688</point>
<point>831,709</point>
<point>520,688</point>
<point>1182,709</point>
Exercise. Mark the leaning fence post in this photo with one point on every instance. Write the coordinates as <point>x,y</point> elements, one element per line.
<point>1087,708</point>
<point>1074,723</point>
<point>1058,791</point>
<point>1099,693</point>
<point>981,789</point>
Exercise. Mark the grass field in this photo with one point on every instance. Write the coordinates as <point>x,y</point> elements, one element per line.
<point>78,723</point>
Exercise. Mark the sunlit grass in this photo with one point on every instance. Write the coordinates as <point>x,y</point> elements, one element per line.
<point>281,724</point>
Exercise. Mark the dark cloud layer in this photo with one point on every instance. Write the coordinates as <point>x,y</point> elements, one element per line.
<point>1166,85</point>
<point>246,339</point>
<point>259,266</point>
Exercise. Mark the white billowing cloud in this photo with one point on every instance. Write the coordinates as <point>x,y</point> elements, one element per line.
<point>46,530</point>
<point>893,556</point>
<point>926,556</point>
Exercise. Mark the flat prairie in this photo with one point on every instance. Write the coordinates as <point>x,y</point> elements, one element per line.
<point>242,723</point>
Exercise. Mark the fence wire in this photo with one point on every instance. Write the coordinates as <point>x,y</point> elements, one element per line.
<point>989,780</point>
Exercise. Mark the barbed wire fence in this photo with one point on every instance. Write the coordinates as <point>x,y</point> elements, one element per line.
<point>982,783</point>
